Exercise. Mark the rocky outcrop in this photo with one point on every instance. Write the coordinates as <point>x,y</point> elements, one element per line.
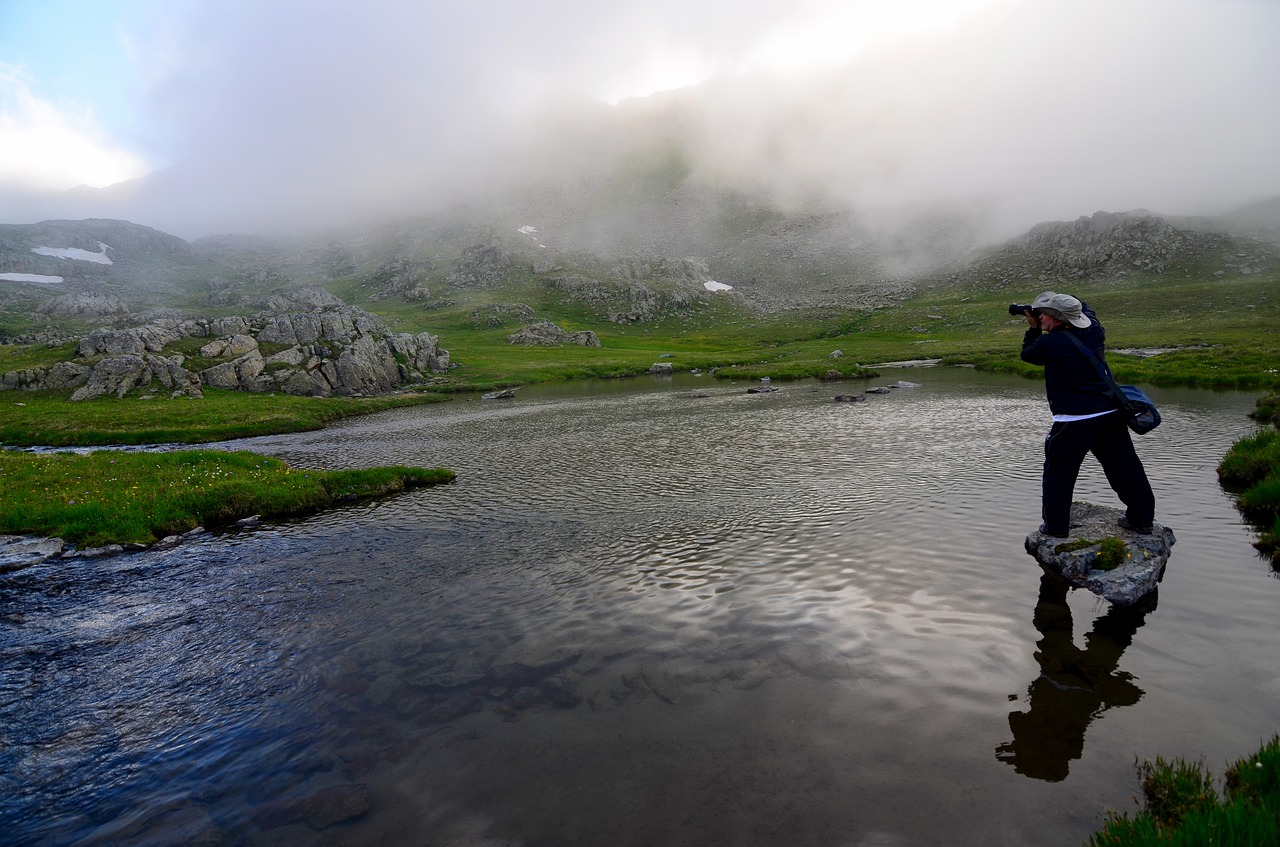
<point>497,314</point>
<point>1081,558</point>
<point>119,375</point>
<point>684,270</point>
<point>338,350</point>
<point>401,276</point>
<point>60,377</point>
<point>547,334</point>
<point>151,338</point>
<point>299,299</point>
<point>623,302</point>
<point>341,350</point>
<point>84,305</point>
<point>481,266</point>
<point>1116,241</point>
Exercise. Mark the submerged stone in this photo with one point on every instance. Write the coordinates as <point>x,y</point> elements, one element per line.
<point>1077,557</point>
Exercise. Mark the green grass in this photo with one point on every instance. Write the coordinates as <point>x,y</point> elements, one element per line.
<point>42,418</point>
<point>113,497</point>
<point>1180,805</point>
<point>1251,469</point>
<point>20,357</point>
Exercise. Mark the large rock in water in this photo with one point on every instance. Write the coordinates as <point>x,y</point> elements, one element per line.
<point>1075,557</point>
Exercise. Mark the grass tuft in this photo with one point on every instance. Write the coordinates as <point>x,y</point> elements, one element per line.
<point>1181,807</point>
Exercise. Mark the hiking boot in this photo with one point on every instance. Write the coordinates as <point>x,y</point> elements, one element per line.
<point>1044,530</point>
<point>1140,530</point>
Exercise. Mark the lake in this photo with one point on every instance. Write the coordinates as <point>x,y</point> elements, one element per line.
<point>650,611</point>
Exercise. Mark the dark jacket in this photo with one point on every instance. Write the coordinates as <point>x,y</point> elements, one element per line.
<point>1070,379</point>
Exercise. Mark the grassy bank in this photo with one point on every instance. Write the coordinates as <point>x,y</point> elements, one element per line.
<point>1251,469</point>
<point>1180,805</point>
<point>30,418</point>
<point>113,497</point>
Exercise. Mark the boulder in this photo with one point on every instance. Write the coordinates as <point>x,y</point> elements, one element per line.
<point>1075,557</point>
<point>547,334</point>
<point>238,345</point>
<point>214,348</point>
<point>116,375</point>
<point>119,375</point>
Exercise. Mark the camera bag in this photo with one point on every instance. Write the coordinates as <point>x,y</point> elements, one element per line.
<point>1141,415</point>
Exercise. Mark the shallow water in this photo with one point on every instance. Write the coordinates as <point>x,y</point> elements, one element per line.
<point>656,611</point>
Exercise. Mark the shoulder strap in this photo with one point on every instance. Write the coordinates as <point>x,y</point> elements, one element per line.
<point>1101,369</point>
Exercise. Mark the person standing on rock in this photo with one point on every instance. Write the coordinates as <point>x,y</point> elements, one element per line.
<point>1084,415</point>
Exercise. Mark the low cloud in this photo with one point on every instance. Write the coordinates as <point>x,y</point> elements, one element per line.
<point>1020,112</point>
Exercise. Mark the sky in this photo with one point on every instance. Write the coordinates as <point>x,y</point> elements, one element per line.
<point>239,112</point>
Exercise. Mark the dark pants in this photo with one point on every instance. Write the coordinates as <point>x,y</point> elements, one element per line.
<point>1107,438</point>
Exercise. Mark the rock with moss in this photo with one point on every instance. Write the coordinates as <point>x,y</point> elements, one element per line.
<point>1099,555</point>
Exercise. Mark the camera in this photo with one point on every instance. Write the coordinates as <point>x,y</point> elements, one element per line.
<point>1020,308</point>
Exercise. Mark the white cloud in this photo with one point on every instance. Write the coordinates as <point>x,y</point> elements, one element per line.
<point>44,147</point>
<point>1032,109</point>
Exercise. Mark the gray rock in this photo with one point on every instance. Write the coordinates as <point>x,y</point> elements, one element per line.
<point>84,305</point>
<point>116,375</point>
<point>480,266</point>
<point>547,334</point>
<point>214,349</point>
<point>60,377</point>
<point>303,298</point>
<point>238,345</point>
<point>150,338</point>
<point>662,368</point>
<point>852,398</point>
<point>23,551</point>
<point>1074,557</point>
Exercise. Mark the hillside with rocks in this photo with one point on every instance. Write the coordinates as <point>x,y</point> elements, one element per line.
<point>1113,246</point>
<point>298,315</point>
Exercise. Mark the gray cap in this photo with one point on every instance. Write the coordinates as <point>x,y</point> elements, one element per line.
<point>1064,307</point>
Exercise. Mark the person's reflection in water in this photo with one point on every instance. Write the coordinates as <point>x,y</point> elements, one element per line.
<point>1074,685</point>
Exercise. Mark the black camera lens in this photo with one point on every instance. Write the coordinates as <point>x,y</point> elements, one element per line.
<point>1020,308</point>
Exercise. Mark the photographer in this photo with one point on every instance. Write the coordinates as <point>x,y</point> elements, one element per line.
<point>1084,419</point>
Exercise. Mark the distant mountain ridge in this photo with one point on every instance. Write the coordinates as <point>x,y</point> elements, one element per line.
<point>771,260</point>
